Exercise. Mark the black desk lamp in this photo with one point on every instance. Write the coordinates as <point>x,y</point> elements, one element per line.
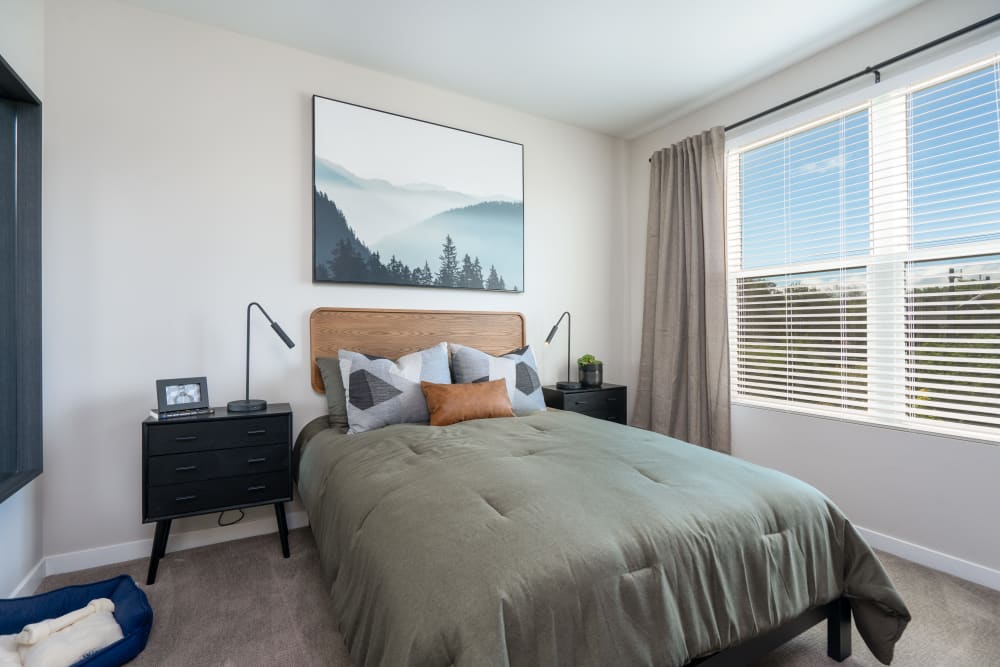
<point>569,333</point>
<point>254,404</point>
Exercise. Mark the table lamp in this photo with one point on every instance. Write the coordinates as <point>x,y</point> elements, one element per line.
<point>569,332</point>
<point>254,404</point>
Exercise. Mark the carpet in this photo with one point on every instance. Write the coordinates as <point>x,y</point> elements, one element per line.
<point>240,603</point>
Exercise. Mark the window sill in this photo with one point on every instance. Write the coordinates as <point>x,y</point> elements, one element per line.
<point>862,422</point>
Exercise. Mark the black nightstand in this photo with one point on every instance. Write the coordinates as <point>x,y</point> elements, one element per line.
<point>609,401</point>
<point>223,461</point>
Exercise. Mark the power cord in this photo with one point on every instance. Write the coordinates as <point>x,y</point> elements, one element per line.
<point>230,523</point>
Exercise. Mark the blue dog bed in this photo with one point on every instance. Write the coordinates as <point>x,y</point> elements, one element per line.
<point>132,611</point>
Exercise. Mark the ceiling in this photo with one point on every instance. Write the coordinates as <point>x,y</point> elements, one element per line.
<point>621,67</point>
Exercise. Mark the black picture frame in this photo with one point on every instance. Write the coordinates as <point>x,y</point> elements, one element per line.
<point>166,399</point>
<point>383,271</point>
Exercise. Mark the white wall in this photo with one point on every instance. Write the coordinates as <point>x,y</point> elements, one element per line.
<point>21,527</point>
<point>177,189</point>
<point>22,46</point>
<point>939,493</point>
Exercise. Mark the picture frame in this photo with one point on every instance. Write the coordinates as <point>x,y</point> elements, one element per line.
<point>175,394</point>
<point>403,201</point>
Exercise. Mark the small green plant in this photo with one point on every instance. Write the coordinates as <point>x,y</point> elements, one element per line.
<point>587,360</point>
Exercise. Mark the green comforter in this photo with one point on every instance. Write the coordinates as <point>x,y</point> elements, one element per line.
<point>558,539</point>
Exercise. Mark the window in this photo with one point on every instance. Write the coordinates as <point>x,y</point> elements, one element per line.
<point>20,284</point>
<point>864,261</point>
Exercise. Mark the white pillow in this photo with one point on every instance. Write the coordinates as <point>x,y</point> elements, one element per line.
<point>382,391</point>
<point>517,368</point>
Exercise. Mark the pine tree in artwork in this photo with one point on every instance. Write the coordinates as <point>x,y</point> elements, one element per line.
<point>493,281</point>
<point>426,275</point>
<point>347,263</point>
<point>465,276</point>
<point>477,274</point>
<point>448,275</point>
<point>395,268</point>
<point>377,272</point>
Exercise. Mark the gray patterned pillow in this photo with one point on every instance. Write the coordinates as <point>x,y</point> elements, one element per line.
<point>333,384</point>
<point>517,367</point>
<point>381,391</point>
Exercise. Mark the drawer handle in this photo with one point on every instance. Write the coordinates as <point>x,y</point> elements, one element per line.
<point>259,487</point>
<point>259,431</point>
<point>180,499</point>
<point>185,468</point>
<point>185,438</point>
<point>611,399</point>
<point>259,460</point>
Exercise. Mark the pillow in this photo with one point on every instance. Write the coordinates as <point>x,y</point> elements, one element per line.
<point>452,403</point>
<point>381,391</point>
<point>333,383</point>
<point>517,368</point>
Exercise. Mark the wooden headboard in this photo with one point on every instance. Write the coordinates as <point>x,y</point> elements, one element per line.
<point>393,333</point>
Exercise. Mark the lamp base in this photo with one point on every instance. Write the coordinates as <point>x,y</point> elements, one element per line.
<point>568,385</point>
<point>247,405</point>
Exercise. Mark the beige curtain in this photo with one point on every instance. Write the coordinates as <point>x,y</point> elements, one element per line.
<point>684,361</point>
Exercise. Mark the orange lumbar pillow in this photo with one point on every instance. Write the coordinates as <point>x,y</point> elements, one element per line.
<point>451,403</point>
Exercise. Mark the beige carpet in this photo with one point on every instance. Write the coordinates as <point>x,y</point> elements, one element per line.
<point>240,604</point>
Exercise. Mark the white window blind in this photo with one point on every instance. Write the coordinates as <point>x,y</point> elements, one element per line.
<point>864,261</point>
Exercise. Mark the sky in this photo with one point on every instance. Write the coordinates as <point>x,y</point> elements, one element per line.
<point>806,197</point>
<point>374,144</point>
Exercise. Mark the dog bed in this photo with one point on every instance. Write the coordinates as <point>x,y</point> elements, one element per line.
<point>132,612</point>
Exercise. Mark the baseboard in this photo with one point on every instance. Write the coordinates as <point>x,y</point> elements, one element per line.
<point>31,581</point>
<point>953,565</point>
<point>119,553</point>
<point>126,551</point>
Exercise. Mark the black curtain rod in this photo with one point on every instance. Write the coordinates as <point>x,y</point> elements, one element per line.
<point>871,69</point>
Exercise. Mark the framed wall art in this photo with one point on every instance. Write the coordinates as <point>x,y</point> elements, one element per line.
<point>401,201</point>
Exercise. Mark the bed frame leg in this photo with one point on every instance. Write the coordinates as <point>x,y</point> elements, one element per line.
<point>838,629</point>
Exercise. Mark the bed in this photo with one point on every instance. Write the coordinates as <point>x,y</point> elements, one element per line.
<point>559,539</point>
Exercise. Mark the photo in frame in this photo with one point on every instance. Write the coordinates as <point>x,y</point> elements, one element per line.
<point>401,201</point>
<point>181,394</point>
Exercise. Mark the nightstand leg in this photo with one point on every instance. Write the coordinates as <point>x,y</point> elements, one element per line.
<point>279,513</point>
<point>159,549</point>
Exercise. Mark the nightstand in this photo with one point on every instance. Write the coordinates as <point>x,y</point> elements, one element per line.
<point>212,463</point>
<point>609,401</point>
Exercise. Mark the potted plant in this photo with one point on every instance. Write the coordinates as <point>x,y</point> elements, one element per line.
<point>591,371</point>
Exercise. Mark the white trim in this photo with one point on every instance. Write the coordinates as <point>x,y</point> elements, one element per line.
<point>119,553</point>
<point>31,581</point>
<point>126,551</point>
<point>942,562</point>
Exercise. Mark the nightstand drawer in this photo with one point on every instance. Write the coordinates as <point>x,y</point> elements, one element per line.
<point>195,466</point>
<point>610,414</point>
<point>609,401</point>
<point>217,494</point>
<point>594,401</point>
<point>199,435</point>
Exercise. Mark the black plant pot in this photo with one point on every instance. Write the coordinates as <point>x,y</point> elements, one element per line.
<point>591,375</point>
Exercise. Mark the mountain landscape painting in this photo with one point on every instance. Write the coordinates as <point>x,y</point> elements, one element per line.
<point>401,201</point>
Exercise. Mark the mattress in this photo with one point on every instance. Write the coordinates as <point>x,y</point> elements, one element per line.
<point>559,539</point>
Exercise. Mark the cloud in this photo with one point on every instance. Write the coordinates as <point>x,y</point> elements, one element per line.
<point>822,166</point>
